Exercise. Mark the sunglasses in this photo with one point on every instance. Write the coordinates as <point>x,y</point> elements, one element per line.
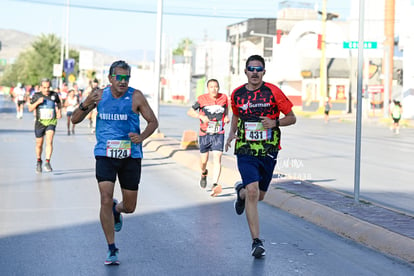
<point>252,68</point>
<point>121,77</point>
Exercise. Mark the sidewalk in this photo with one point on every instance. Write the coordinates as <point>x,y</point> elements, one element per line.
<point>382,229</point>
<point>371,118</point>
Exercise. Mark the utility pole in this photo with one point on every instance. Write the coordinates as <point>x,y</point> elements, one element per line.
<point>62,50</point>
<point>322,70</point>
<point>388,59</point>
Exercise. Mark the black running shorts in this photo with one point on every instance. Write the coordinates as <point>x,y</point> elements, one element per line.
<point>41,131</point>
<point>128,171</point>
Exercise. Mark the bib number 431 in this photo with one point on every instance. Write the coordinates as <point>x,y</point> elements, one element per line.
<point>255,131</point>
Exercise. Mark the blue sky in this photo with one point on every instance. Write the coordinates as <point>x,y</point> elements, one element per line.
<point>131,24</point>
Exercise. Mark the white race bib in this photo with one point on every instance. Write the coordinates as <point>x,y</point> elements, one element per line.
<point>119,149</point>
<point>46,113</point>
<point>214,127</point>
<point>254,131</point>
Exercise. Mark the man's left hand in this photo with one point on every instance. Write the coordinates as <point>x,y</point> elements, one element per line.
<point>135,137</point>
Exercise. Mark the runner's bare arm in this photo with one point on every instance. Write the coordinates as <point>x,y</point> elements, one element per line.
<point>232,132</point>
<point>192,113</point>
<point>288,120</point>
<point>140,105</point>
<point>32,106</point>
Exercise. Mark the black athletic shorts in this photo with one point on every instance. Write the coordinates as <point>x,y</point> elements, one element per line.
<point>41,131</point>
<point>128,171</point>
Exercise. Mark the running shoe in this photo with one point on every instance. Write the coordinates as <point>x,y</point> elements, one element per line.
<point>39,167</point>
<point>112,257</point>
<point>203,181</point>
<point>258,250</point>
<point>117,218</point>
<point>216,190</point>
<point>47,167</point>
<point>239,203</point>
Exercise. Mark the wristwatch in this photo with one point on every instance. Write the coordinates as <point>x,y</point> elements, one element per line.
<point>277,122</point>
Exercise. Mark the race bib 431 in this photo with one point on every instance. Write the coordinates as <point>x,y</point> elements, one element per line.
<point>256,132</point>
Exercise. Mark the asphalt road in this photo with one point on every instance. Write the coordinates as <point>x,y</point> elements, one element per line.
<point>50,226</point>
<point>324,154</point>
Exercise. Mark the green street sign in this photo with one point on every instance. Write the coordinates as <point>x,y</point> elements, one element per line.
<point>354,45</point>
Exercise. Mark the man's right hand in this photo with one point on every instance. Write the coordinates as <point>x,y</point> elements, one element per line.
<point>94,97</point>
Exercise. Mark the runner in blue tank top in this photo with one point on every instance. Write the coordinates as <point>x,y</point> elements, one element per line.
<point>118,151</point>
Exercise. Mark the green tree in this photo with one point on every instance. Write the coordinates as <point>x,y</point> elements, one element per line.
<point>36,63</point>
<point>184,45</point>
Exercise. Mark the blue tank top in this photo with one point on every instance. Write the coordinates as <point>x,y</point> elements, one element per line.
<point>115,120</point>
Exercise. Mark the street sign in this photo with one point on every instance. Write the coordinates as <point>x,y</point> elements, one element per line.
<point>57,70</point>
<point>69,65</point>
<point>354,45</point>
<point>71,78</point>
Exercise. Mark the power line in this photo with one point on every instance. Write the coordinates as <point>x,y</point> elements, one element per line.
<point>170,13</point>
<point>131,10</point>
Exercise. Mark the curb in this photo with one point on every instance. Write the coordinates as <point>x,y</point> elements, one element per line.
<point>371,235</point>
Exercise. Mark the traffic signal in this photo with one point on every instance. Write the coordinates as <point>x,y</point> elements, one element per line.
<point>400,76</point>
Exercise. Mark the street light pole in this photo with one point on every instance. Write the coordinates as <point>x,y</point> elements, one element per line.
<point>357,173</point>
<point>62,50</point>
<point>157,71</point>
<point>67,29</point>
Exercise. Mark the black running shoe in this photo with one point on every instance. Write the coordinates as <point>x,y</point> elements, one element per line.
<point>39,167</point>
<point>48,168</point>
<point>258,250</point>
<point>239,203</point>
<point>203,180</point>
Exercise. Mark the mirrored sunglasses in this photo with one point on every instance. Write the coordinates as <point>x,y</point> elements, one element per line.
<point>121,77</point>
<point>257,68</point>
